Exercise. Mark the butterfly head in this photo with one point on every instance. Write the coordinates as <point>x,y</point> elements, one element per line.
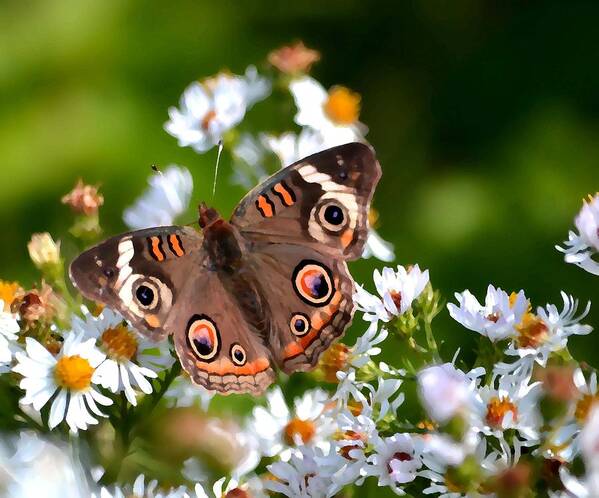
<point>208,216</point>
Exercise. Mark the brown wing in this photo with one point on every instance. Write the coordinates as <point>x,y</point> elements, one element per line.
<point>309,296</point>
<point>141,274</point>
<point>320,202</point>
<point>215,343</point>
<point>160,281</point>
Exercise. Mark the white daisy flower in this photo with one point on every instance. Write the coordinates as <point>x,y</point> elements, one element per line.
<point>446,391</point>
<point>378,247</point>
<point>9,327</point>
<point>279,429</point>
<point>209,109</point>
<point>126,367</point>
<point>243,454</point>
<point>438,471</point>
<point>548,331</point>
<point>184,393</point>
<point>397,291</point>
<point>334,113</point>
<point>308,474</point>
<point>587,486</point>
<point>250,156</point>
<point>71,373</point>
<point>367,345</point>
<point>580,248</point>
<point>222,488</point>
<point>291,147</point>
<point>512,406</point>
<point>140,489</point>
<point>168,197</point>
<point>395,461</point>
<point>31,466</point>
<point>356,432</point>
<point>496,319</point>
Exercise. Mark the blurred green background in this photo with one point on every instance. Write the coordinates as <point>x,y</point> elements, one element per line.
<point>484,116</point>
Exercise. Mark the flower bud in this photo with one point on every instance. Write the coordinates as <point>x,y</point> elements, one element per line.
<point>43,251</point>
<point>291,59</point>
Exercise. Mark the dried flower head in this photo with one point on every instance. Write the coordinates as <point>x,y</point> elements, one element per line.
<point>36,304</point>
<point>84,199</point>
<point>296,58</point>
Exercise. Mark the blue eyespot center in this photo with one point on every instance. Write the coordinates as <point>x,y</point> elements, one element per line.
<point>144,295</point>
<point>333,215</point>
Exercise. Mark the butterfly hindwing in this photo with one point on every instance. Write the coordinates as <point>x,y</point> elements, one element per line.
<point>309,298</point>
<point>216,344</point>
<point>321,202</point>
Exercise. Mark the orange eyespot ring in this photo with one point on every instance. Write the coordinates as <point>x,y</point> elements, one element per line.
<point>238,355</point>
<point>299,324</point>
<point>313,283</point>
<point>203,337</point>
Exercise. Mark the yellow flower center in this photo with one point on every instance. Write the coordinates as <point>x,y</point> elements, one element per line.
<point>119,343</point>
<point>583,407</point>
<point>343,106</point>
<point>373,217</point>
<point>8,291</point>
<point>297,427</point>
<point>334,360</point>
<point>532,331</point>
<point>73,372</point>
<point>497,408</point>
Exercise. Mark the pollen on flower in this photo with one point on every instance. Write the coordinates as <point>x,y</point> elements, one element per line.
<point>355,407</point>
<point>583,407</point>
<point>237,493</point>
<point>73,372</point>
<point>119,343</point>
<point>396,298</point>
<point>373,218</point>
<point>342,105</point>
<point>497,409</point>
<point>334,360</point>
<point>349,436</point>
<point>207,119</point>
<point>401,456</point>
<point>532,331</point>
<point>8,293</point>
<point>297,427</point>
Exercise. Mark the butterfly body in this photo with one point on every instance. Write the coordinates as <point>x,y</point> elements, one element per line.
<point>270,287</point>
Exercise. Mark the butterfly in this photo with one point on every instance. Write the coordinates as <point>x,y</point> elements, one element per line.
<point>267,289</point>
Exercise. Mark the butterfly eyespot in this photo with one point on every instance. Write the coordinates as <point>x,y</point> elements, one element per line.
<point>147,295</point>
<point>203,337</point>
<point>332,216</point>
<point>299,324</point>
<point>238,355</point>
<point>313,283</point>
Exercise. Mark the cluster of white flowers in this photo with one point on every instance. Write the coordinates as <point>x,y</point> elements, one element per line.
<point>582,247</point>
<point>521,416</point>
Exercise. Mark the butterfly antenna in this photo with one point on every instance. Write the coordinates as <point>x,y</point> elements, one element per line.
<point>220,149</point>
